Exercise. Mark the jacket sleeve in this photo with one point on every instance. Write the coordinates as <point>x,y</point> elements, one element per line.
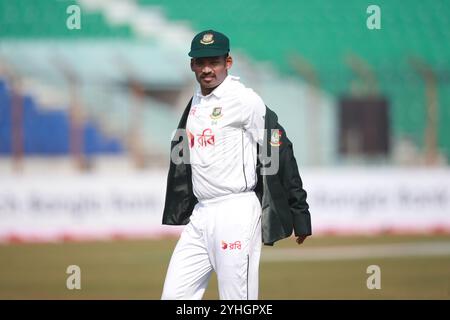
<point>293,185</point>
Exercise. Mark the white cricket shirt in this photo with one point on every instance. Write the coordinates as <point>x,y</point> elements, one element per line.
<point>223,129</point>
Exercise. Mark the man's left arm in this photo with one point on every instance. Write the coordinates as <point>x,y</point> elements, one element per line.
<point>290,178</point>
<point>253,113</point>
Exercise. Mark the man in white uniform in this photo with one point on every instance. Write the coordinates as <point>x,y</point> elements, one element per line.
<point>225,124</point>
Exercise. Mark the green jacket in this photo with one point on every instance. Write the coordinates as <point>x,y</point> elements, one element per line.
<point>282,197</point>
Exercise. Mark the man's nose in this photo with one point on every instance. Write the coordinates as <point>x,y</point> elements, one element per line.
<point>207,69</point>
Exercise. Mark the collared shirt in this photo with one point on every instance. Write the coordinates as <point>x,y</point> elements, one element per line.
<point>223,129</point>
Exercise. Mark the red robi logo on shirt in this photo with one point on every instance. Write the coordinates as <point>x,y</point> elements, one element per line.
<point>206,138</point>
<point>232,245</point>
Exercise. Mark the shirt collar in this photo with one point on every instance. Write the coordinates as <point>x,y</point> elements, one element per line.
<point>219,91</point>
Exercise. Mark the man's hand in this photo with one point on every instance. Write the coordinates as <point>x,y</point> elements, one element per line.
<point>300,239</point>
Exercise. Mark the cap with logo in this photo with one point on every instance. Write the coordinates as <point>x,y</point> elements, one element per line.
<point>209,43</point>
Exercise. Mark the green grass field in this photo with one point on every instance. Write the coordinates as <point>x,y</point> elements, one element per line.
<point>322,268</point>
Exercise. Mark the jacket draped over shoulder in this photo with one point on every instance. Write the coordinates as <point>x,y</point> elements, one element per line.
<point>283,199</point>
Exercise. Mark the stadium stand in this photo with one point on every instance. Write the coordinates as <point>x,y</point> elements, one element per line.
<point>326,32</point>
<point>109,51</point>
<point>46,132</point>
<point>36,45</point>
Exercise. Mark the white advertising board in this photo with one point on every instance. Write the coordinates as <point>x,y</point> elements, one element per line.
<point>102,206</point>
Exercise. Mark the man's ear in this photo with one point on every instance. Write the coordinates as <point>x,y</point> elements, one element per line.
<point>229,62</point>
<point>192,64</point>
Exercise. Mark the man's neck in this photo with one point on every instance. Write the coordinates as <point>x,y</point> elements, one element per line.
<point>206,91</point>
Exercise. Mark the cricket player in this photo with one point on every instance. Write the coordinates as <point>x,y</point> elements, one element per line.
<point>222,189</point>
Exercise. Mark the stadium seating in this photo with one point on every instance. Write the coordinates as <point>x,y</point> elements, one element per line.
<point>47,132</point>
<point>37,45</point>
<point>326,34</point>
<point>43,19</point>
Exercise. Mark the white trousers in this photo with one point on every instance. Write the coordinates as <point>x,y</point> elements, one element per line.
<point>223,235</point>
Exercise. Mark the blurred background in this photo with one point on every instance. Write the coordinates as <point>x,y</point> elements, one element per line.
<point>92,90</point>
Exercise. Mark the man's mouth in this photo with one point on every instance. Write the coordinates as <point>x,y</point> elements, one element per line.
<point>208,78</point>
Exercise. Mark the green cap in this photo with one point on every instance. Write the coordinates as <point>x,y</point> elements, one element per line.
<point>209,43</point>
